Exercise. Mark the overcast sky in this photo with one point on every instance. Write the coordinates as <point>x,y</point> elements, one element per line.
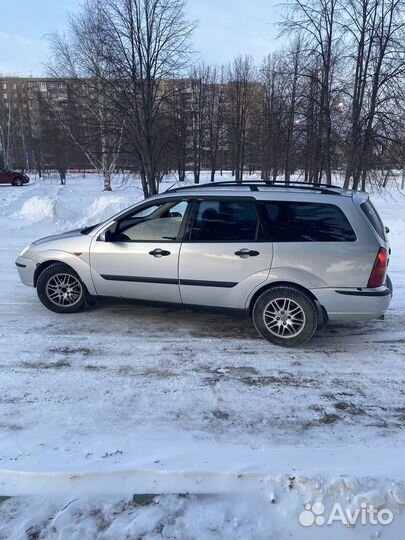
<point>226,28</point>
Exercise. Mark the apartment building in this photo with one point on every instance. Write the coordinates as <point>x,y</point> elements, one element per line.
<point>28,121</point>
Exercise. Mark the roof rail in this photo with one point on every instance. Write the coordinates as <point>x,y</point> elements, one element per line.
<point>255,184</point>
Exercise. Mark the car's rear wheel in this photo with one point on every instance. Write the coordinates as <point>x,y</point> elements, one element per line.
<point>285,316</point>
<point>60,289</point>
<point>18,181</point>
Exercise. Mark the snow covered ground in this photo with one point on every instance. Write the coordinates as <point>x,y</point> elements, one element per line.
<point>232,435</point>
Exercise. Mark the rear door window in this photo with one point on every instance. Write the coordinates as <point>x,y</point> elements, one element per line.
<point>306,222</point>
<point>225,221</point>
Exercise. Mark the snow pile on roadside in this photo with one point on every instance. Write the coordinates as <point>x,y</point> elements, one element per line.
<point>102,208</point>
<point>36,209</point>
<point>278,509</point>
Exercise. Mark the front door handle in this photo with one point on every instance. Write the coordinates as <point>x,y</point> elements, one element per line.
<point>159,252</point>
<point>245,253</point>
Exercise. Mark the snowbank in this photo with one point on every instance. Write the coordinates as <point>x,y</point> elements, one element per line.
<point>103,207</point>
<point>37,209</point>
<point>273,513</point>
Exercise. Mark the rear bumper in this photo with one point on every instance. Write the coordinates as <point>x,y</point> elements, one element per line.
<point>26,269</point>
<point>354,303</point>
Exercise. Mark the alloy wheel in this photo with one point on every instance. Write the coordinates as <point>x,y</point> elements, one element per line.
<point>64,290</point>
<point>284,318</point>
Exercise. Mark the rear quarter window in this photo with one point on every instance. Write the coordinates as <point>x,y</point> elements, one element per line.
<point>306,222</point>
<point>372,216</point>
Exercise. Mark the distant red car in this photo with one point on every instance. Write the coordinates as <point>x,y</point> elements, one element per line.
<point>13,177</point>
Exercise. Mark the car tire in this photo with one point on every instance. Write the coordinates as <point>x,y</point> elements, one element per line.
<point>18,181</point>
<point>323,318</point>
<point>285,316</point>
<point>61,290</point>
<point>389,284</point>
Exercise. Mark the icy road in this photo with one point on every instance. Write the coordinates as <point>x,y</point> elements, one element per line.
<point>128,387</point>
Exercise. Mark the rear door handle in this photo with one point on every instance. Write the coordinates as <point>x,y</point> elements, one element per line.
<point>245,252</point>
<point>159,252</point>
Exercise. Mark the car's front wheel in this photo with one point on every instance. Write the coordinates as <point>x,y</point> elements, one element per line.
<point>60,289</point>
<point>18,181</point>
<point>285,316</point>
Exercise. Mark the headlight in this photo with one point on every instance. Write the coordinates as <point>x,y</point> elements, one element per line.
<point>24,251</point>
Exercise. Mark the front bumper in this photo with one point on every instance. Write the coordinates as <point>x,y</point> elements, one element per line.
<point>26,269</point>
<point>354,303</point>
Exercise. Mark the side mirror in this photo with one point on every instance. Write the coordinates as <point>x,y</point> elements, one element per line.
<point>387,230</point>
<point>105,236</point>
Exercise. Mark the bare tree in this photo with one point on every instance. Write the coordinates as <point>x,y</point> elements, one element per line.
<point>199,77</point>
<point>375,31</point>
<point>317,21</point>
<point>150,42</point>
<point>272,117</point>
<point>179,121</point>
<point>311,113</point>
<point>292,75</point>
<point>82,60</point>
<point>241,88</point>
<point>216,113</point>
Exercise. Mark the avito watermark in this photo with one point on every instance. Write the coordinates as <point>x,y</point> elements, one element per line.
<point>314,514</point>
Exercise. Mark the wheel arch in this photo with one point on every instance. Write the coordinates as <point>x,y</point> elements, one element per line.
<point>89,298</point>
<point>44,265</point>
<point>322,313</point>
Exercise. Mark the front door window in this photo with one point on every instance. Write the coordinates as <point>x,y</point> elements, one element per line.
<point>157,223</point>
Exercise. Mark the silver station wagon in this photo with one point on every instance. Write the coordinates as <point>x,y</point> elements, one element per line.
<point>293,256</point>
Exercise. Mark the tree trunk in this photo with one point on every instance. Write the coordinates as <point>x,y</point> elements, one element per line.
<point>107,180</point>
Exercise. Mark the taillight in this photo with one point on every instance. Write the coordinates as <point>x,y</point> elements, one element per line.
<point>377,276</point>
